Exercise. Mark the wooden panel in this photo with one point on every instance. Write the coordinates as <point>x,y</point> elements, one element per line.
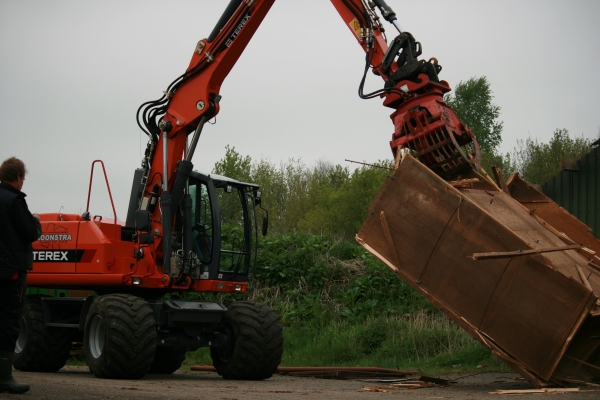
<point>553,214</point>
<point>503,208</point>
<point>462,283</point>
<point>533,310</point>
<point>417,209</point>
<point>526,308</point>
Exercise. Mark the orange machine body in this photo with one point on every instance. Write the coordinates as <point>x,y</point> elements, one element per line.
<point>75,252</point>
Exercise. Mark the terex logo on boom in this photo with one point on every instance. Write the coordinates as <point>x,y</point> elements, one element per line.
<point>237,30</point>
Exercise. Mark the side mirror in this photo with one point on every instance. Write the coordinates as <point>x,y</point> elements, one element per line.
<point>257,198</point>
<point>265,225</point>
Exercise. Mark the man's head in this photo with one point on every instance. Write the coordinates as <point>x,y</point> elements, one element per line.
<point>12,171</point>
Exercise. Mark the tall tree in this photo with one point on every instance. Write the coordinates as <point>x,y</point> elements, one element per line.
<point>326,198</point>
<point>472,102</point>
<point>537,162</point>
<point>234,165</point>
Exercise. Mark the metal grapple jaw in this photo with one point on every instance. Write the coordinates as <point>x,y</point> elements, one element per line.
<point>432,133</point>
<point>424,125</point>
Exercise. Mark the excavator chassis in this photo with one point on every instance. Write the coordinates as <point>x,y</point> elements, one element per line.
<point>126,337</point>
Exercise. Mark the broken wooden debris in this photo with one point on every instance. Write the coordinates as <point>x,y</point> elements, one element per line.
<point>582,362</point>
<point>413,383</point>
<point>517,253</point>
<point>437,381</point>
<point>331,372</point>
<point>464,183</point>
<point>375,389</point>
<point>578,382</point>
<point>534,391</point>
<point>500,179</point>
<point>342,375</point>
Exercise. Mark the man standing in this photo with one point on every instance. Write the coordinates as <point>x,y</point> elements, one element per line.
<point>18,229</point>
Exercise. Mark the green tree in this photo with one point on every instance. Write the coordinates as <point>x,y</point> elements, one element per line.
<point>537,162</point>
<point>274,192</point>
<point>233,165</point>
<point>472,102</point>
<point>297,179</point>
<point>326,198</point>
<point>326,182</point>
<point>358,195</point>
<point>340,200</point>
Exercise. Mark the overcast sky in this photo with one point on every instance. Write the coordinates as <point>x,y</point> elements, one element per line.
<point>73,73</point>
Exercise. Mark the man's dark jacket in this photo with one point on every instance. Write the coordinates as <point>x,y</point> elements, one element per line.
<point>18,229</point>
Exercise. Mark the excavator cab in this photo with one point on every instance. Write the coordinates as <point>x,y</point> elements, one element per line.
<point>214,225</point>
<point>223,221</point>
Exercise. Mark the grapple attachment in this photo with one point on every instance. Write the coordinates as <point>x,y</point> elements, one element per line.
<point>430,130</point>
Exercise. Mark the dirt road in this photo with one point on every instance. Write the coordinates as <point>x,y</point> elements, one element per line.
<point>77,383</point>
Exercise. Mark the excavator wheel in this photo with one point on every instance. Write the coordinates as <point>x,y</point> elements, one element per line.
<point>167,359</point>
<point>255,342</point>
<point>40,348</point>
<point>119,337</point>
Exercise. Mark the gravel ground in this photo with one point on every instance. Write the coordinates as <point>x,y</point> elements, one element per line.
<point>77,383</point>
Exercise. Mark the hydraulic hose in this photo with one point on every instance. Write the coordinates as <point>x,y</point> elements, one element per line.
<point>227,14</point>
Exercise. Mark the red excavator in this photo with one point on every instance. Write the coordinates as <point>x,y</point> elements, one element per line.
<point>192,232</point>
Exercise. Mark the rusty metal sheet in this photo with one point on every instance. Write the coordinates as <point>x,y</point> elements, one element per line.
<point>528,308</point>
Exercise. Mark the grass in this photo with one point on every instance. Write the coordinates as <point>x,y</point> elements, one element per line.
<point>430,343</point>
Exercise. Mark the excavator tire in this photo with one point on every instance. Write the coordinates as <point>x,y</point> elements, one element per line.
<point>40,348</point>
<point>255,342</point>
<point>167,359</point>
<point>119,337</point>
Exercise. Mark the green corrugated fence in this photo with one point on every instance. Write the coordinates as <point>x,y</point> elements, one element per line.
<point>579,191</point>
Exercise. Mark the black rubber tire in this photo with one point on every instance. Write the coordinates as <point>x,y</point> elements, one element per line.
<point>120,337</point>
<point>167,359</point>
<point>39,348</point>
<point>256,342</point>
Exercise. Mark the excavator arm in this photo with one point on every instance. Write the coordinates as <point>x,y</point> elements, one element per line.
<point>423,124</point>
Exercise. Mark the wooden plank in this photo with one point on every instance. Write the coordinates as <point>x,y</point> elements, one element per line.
<point>519,253</point>
<point>464,183</point>
<point>371,250</point>
<point>583,278</point>
<point>580,382</point>
<point>534,391</point>
<point>546,225</point>
<point>582,362</point>
<point>388,236</point>
<point>500,179</point>
<point>523,192</point>
<point>594,266</point>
